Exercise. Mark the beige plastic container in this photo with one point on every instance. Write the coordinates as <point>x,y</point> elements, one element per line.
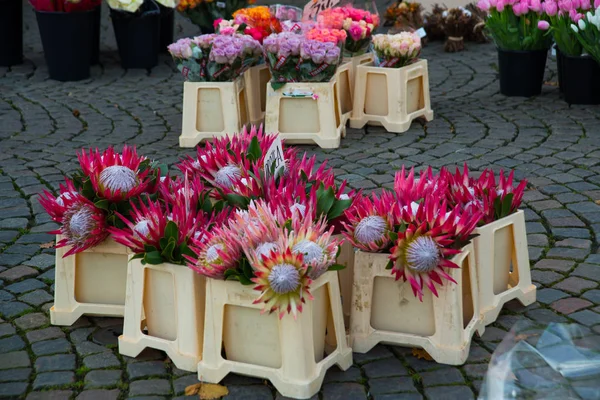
<point>256,80</point>
<point>354,63</point>
<point>212,109</point>
<point>290,353</point>
<point>314,118</point>
<point>503,265</point>
<point>386,311</point>
<point>89,283</point>
<point>392,97</point>
<point>343,92</point>
<point>167,301</point>
<point>346,277</point>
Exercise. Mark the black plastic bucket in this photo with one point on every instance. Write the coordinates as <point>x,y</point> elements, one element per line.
<point>11,32</point>
<point>559,69</point>
<point>137,35</point>
<point>96,35</point>
<point>167,25</point>
<point>522,72</point>
<point>581,76</point>
<point>66,39</point>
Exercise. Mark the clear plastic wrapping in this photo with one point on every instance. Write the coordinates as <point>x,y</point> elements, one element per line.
<point>538,361</point>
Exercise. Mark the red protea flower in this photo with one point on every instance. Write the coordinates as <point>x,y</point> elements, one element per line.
<point>217,250</point>
<point>502,199</point>
<point>420,255</point>
<point>116,177</point>
<point>314,242</point>
<point>55,206</point>
<point>174,190</point>
<point>369,220</point>
<point>82,224</point>
<point>282,278</point>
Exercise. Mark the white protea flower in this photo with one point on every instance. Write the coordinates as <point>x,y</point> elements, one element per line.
<point>370,229</point>
<point>228,175</point>
<point>118,177</point>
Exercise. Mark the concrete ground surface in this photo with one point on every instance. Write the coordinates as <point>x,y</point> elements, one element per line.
<point>554,146</point>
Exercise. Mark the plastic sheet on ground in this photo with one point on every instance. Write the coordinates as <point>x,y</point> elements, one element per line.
<point>545,361</point>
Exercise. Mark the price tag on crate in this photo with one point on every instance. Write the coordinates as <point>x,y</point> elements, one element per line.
<point>313,7</point>
<point>421,32</point>
<point>274,160</point>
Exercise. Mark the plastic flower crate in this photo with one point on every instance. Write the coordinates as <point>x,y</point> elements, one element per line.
<point>290,353</point>
<point>392,97</point>
<point>257,78</point>
<point>343,92</point>
<point>164,311</point>
<point>503,265</point>
<point>305,113</point>
<point>386,310</point>
<point>354,63</point>
<point>212,109</point>
<point>345,276</point>
<point>89,283</point>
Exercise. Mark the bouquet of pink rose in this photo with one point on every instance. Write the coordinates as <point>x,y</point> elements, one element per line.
<point>396,51</point>
<point>358,24</point>
<point>191,56</point>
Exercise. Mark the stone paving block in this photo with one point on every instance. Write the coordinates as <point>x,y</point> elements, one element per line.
<point>50,395</point>
<point>41,261</point>
<point>11,343</point>
<point>52,379</point>
<point>99,378</point>
<point>391,385</point>
<point>25,286</point>
<point>61,362</point>
<point>586,317</point>
<point>555,265</point>
<point>180,384</point>
<point>17,273</point>
<point>6,330</point>
<point>405,396</point>
<point>376,353</point>
<point>12,309</point>
<point>577,243</point>
<point>575,285</point>
<point>32,321</point>
<point>49,347</point>
<point>545,316</point>
<point>85,348</point>
<point>150,387</point>
<point>102,360</point>
<point>146,369</point>
<point>449,392</point>
<point>545,277</point>
<point>570,305</point>
<point>592,295</point>
<point>13,389</point>
<point>344,391</point>
<point>15,375</point>
<point>385,367</point>
<point>99,395</point>
<point>334,374</point>
<point>36,298</point>
<point>589,271</point>
<point>443,376</point>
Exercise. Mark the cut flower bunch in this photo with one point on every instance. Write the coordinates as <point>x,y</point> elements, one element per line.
<point>397,51</point>
<point>358,24</point>
<point>587,31</point>
<point>425,221</point>
<point>64,5</point>
<point>203,13</point>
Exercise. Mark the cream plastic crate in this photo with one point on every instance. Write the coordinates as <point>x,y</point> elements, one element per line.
<point>212,109</point>
<point>392,97</point>
<point>345,276</point>
<point>385,310</point>
<point>503,265</point>
<point>288,352</point>
<point>256,79</point>
<point>314,118</point>
<point>355,62</point>
<point>89,283</point>
<point>168,301</point>
<point>343,92</point>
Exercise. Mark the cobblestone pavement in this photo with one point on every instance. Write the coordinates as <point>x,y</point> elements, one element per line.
<point>555,147</point>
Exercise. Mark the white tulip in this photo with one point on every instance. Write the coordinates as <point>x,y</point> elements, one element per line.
<point>581,24</point>
<point>575,29</point>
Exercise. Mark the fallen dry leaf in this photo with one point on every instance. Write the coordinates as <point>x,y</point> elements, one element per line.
<point>206,391</point>
<point>48,245</point>
<point>76,113</point>
<point>421,354</point>
<point>597,202</point>
<point>551,83</point>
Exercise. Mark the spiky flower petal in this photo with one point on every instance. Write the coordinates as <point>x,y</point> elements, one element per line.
<point>283,282</point>
<point>369,220</point>
<point>56,206</point>
<point>314,242</point>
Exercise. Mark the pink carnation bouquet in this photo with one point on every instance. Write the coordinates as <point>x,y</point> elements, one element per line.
<point>358,24</point>
<point>396,51</point>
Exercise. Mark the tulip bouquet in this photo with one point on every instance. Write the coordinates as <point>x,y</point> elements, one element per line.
<point>358,24</point>
<point>203,13</point>
<point>309,57</point>
<point>561,15</point>
<point>397,51</point>
<point>64,5</point>
<point>587,31</point>
<point>103,192</point>
<point>517,24</point>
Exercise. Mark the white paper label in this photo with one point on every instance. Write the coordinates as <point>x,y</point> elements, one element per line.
<point>553,51</point>
<point>421,32</point>
<point>274,160</point>
<point>313,7</point>
<point>220,4</point>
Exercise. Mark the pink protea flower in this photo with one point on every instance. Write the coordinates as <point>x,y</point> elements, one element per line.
<point>420,255</point>
<point>408,189</point>
<point>314,242</point>
<point>282,278</point>
<point>115,176</point>
<point>217,250</point>
<point>55,206</point>
<point>82,224</point>
<point>190,191</point>
<point>369,220</point>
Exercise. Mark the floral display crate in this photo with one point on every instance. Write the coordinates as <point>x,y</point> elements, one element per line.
<point>346,277</point>
<point>212,109</point>
<point>386,311</point>
<point>164,310</point>
<point>343,92</point>
<point>89,283</point>
<point>392,97</point>
<point>503,265</point>
<point>257,78</point>
<point>290,353</point>
<point>354,63</point>
<point>305,113</point>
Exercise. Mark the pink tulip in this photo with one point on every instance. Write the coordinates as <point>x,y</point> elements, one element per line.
<point>543,25</point>
<point>565,5</point>
<point>550,7</point>
<point>500,5</point>
<point>535,5</point>
<point>485,5</point>
<point>586,5</point>
<point>597,4</point>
